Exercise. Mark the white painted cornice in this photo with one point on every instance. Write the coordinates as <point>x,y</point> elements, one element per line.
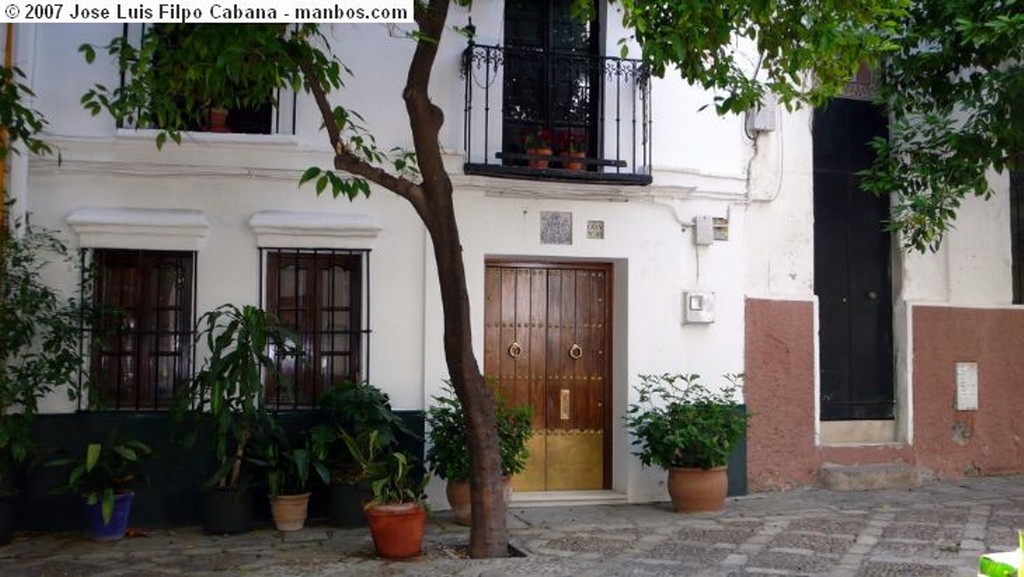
<point>139,228</point>
<point>285,228</point>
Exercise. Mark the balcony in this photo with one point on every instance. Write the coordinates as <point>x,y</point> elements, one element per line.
<point>598,107</point>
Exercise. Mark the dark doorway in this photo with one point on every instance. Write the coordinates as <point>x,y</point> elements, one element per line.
<point>852,266</point>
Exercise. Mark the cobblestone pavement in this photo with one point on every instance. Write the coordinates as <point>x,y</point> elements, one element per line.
<point>937,530</point>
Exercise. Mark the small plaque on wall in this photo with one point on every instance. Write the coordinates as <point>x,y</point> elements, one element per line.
<point>966,386</point>
<point>595,229</point>
<point>555,227</point>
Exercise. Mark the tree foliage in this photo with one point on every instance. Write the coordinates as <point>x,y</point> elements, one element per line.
<point>176,73</point>
<point>741,49</point>
<point>19,120</point>
<point>955,91</point>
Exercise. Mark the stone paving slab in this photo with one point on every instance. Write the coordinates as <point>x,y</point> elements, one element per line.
<point>936,530</point>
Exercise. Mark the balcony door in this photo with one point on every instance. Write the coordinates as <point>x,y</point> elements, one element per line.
<point>551,75</point>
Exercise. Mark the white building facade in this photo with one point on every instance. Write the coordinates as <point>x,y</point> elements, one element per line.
<point>686,245</point>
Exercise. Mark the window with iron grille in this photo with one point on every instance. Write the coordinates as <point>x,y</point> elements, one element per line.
<point>319,294</point>
<point>271,113</point>
<point>142,351</point>
<point>551,87</point>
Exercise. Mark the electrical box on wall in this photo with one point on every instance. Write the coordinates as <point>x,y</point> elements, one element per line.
<point>703,230</point>
<point>699,307</point>
<point>763,118</point>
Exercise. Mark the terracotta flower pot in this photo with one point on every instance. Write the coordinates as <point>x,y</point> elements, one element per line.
<point>539,163</point>
<point>289,511</point>
<point>696,490</point>
<point>397,530</point>
<point>458,497</point>
<point>218,119</point>
<point>570,165</point>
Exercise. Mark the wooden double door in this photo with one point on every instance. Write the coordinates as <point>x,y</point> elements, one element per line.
<point>548,345</point>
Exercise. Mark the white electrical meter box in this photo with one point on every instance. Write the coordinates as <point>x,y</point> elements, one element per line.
<point>704,231</point>
<point>699,307</point>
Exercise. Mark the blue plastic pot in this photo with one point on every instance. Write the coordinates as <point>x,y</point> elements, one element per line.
<point>113,529</point>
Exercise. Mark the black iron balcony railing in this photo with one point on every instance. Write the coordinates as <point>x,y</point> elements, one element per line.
<point>593,113</point>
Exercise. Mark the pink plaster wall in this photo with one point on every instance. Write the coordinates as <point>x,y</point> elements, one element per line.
<point>780,391</point>
<point>957,443</point>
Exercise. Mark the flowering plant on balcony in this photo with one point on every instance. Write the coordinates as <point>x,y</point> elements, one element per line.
<point>572,142</point>
<point>536,139</point>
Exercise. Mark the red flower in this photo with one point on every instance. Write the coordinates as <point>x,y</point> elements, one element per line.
<point>572,141</point>
<point>538,138</point>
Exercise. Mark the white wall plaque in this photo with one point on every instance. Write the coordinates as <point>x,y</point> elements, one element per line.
<point>966,386</point>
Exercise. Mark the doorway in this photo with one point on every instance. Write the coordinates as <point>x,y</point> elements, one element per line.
<point>547,344</point>
<point>852,266</point>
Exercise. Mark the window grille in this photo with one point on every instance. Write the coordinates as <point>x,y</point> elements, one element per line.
<point>142,351</point>
<point>323,295</point>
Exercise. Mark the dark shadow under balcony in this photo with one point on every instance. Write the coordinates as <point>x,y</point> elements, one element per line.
<point>534,114</point>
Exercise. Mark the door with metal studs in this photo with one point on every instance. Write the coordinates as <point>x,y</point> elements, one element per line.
<point>547,345</point>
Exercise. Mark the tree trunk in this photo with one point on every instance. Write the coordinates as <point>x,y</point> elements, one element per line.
<point>488,534</point>
<point>432,200</point>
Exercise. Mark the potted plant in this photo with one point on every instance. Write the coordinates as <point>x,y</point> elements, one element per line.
<point>287,469</point>
<point>538,142</point>
<point>685,427</point>
<point>357,409</point>
<point>573,146</point>
<point>39,347</point>
<point>230,387</point>
<point>447,455</point>
<point>103,476</point>
<point>397,512</point>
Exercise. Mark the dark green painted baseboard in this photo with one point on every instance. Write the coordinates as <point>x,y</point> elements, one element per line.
<point>176,474</point>
<point>738,465</point>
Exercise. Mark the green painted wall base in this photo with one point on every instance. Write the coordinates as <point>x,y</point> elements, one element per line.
<point>171,498</point>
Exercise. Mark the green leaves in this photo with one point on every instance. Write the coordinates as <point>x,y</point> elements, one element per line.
<point>447,455</point>
<point>39,335</point>
<point>177,72</point>
<point>231,380</point>
<point>954,89</point>
<point>679,422</point>
<point>23,124</point>
<point>105,470</point>
<point>793,40</point>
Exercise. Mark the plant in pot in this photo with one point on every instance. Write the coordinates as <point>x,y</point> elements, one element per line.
<point>288,471</point>
<point>688,429</point>
<point>227,396</point>
<point>448,458</point>
<point>103,476</point>
<point>538,142</point>
<point>357,409</point>
<point>397,512</point>
<point>39,347</point>
<point>573,147</point>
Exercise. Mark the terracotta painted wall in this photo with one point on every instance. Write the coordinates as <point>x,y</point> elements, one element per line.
<point>957,443</point>
<point>780,391</point>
